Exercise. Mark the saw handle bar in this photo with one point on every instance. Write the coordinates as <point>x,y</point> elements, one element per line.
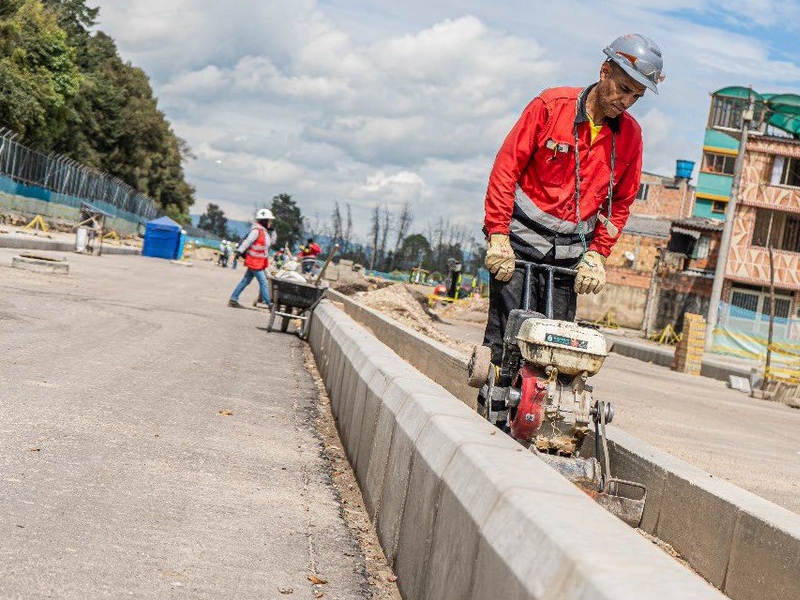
<point>528,266</point>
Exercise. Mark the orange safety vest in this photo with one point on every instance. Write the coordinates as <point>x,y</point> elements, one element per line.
<point>255,257</point>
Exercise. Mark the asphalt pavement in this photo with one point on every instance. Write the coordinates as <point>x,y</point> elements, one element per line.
<point>156,443</point>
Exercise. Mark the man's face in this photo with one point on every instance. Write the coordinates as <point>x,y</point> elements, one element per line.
<point>617,91</point>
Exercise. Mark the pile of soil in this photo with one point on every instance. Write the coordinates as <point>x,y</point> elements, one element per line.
<point>351,287</point>
<point>473,310</point>
<point>398,303</point>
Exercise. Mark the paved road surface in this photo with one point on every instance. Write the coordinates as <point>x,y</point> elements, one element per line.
<point>120,477</point>
<point>754,444</point>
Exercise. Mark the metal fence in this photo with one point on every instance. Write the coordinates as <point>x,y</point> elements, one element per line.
<point>40,173</point>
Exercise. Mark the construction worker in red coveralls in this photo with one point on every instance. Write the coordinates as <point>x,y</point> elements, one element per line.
<point>308,255</point>
<point>551,197</point>
<point>255,249</point>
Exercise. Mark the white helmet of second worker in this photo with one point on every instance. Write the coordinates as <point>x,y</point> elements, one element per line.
<point>264,213</point>
<point>639,57</point>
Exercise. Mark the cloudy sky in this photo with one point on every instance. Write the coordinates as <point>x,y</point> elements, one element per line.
<point>369,102</point>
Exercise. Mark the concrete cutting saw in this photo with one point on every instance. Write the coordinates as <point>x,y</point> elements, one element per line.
<point>540,396</point>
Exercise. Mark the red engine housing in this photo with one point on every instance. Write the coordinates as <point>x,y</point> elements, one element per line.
<point>530,411</point>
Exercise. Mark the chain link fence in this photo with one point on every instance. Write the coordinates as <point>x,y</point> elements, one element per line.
<point>56,178</point>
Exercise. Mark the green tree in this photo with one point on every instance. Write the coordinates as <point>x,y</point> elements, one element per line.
<point>117,128</point>
<point>415,249</point>
<point>75,18</point>
<point>214,220</point>
<point>288,220</point>
<point>38,74</point>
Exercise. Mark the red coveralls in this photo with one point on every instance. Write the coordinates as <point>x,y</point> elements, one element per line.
<point>531,196</point>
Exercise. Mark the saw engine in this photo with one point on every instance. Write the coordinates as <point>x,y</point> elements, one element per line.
<point>541,397</point>
<point>541,388</point>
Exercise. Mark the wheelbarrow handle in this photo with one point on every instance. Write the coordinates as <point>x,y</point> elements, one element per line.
<point>325,266</point>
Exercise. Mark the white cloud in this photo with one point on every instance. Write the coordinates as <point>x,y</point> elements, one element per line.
<point>366,101</point>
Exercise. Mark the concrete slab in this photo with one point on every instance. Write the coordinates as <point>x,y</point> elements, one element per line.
<point>765,558</point>
<point>40,264</point>
<point>536,544</point>
<point>418,409</point>
<point>434,448</point>
<point>682,497</point>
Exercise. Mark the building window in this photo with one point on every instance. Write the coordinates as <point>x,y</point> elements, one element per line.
<point>726,112</point>
<point>744,304</point>
<point>701,247</point>
<point>644,191</point>
<point>785,171</point>
<point>747,304</point>
<point>782,306</point>
<point>718,163</point>
<point>718,207</point>
<point>778,228</point>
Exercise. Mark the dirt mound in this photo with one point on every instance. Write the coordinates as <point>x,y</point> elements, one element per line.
<point>399,303</point>
<point>473,310</point>
<point>350,287</point>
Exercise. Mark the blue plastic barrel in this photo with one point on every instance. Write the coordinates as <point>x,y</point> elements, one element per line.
<point>684,168</point>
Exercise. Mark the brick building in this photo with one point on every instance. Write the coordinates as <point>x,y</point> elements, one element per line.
<point>767,210</point>
<point>631,266</point>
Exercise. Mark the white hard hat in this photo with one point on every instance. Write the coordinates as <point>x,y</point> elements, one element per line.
<point>639,57</point>
<point>264,213</point>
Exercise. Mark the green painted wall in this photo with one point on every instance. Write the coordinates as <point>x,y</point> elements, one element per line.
<point>702,209</point>
<point>714,183</point>
<point>718,139</point>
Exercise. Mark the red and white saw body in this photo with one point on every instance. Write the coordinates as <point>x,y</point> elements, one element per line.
<point>555,402</point>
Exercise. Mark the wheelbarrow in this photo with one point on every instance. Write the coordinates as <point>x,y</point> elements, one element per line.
<point>295,300</point>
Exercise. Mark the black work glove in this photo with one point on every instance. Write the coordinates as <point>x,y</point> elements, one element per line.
<point>237,255</point>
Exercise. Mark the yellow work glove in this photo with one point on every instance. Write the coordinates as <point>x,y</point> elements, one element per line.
<point>500,257</point>
<point>591,273</point>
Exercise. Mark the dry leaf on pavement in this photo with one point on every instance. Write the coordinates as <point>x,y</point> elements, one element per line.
<point>317,580</point>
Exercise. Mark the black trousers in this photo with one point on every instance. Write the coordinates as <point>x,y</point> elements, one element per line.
<point>505,296</point>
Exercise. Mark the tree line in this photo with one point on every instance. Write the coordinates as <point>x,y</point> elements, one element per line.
<point>66,90</point>
<point>392,245</point>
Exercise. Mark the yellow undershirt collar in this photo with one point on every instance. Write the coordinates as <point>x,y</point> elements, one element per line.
<point>595,129</point>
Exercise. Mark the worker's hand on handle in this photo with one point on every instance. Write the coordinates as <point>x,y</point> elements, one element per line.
<point>591,275</point>
<point>500,257</point>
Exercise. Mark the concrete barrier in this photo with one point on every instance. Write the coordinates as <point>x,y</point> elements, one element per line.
<point>436,361</point>
<point>462,511</point>
<point>746,546</point>
<point>42,265</point>
<point>33,243</point>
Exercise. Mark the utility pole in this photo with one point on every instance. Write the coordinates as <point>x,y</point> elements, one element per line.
<point>727,230</point>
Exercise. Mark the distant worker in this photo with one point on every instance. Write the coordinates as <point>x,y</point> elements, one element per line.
<point>308,255</point>
<point>235,260</point>
<point>562,185</point>
<point>255,249</point>
<point>279,258</point>
<point>224,253</point>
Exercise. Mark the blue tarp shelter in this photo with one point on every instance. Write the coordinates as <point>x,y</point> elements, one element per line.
<point>162,238</point>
